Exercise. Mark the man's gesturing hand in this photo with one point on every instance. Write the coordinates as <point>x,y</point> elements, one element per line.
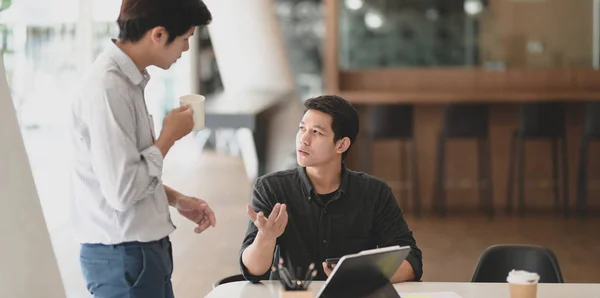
<point>272,227</point>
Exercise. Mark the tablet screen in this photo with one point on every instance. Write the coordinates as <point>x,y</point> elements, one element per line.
<point>366,274</point>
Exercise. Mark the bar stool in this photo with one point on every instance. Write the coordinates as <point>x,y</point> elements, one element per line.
<point>395,122</point>
<point>465,121</point>
<point>544,121</point>
<point>591,132</point>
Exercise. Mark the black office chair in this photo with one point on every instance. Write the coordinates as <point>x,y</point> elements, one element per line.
<point>233,278</point>
<point>497,261</point>
<point>539,121</point>
<point>591,132</point>
<point>395,122</point>
<point>465,121</point>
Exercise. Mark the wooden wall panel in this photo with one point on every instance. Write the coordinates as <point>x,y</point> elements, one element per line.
<point>470,81</point>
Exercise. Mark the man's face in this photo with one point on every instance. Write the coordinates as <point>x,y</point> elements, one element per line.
<point>167,54</point>
<point>314,140</point>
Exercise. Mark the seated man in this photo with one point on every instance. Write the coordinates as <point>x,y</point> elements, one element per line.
<point>321,209</point>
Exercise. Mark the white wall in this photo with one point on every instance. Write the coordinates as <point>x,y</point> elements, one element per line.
<point>27,263</point>
<point>248,45</point>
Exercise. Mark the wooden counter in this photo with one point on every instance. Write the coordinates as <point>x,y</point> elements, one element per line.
<point>374,97</point>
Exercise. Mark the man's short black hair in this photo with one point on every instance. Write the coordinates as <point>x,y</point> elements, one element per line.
<point>177,17</point>
<point>344,117</point>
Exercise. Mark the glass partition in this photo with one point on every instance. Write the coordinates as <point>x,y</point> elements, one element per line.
<point>493,34</point>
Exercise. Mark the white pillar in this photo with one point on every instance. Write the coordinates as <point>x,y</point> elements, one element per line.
<point>84,32</point>
<point>27,263</point>
<point>248,45</point>
<point>194,71</point>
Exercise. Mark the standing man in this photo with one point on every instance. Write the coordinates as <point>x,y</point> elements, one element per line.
<point>120,206</point>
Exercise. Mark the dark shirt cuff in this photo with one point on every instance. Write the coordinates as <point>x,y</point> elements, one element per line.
<point>416,266</point>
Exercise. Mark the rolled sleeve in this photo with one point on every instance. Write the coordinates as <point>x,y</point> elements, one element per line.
<point>416,263</point>
<point>154,160</point>
<point>393,230</point>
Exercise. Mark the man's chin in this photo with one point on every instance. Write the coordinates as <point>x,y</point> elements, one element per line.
<point>164,67</point>
<point>301,162</point>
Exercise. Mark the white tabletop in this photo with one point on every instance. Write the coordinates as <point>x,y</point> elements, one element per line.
<point>270,289</point>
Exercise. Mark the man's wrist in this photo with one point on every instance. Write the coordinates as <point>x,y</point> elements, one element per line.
<point>173,201</point>
<point>164,144</point>
<point>173,196</point>
<point>263,239</point>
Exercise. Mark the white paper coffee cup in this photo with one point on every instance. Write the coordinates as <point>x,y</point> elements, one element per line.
<point>196,102</point>
<point>523,284</point>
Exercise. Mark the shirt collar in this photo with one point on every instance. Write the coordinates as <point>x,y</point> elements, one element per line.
<point>127,65</point>
<point>308,187</point>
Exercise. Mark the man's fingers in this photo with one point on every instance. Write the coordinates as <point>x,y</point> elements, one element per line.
<point>198,217</point>
<point>285,219</point>
<point>282,212</point>
<point>261,219</point>
<point>182,108</point>
<point>212,217</point>
<point>204,225</point>
<point>282,220</point>
<point>251,213</point>
<point>274,212</point>
<point>209,213</point>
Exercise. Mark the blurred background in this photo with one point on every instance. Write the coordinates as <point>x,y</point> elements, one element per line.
<point>480,114</point>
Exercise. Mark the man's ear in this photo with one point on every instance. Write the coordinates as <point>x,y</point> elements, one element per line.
<point>159,35</point>
<point>342,145</point>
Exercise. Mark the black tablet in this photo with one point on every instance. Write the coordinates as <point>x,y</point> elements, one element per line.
<point>366,274</point>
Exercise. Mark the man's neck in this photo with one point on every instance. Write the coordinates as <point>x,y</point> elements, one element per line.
<point>326,178</point>
<point>135,52</point>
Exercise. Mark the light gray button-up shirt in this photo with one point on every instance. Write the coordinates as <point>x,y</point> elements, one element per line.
<point>116,190</point>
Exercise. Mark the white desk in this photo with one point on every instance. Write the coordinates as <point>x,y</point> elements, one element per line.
<point>270,289</point>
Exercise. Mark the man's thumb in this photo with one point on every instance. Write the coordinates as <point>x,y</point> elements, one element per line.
<point>250,212</point>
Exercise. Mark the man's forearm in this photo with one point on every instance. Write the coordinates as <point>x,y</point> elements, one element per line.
<point>172,195</point>
<point>404,273</point>
<point>258,257</point>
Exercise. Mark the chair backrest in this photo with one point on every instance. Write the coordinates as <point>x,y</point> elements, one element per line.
<point>542,120</point>
<point>497,261</point>
<point>394,121</point>
<point>466,121</point>
<point>592,119</point>
<point>233,278</point>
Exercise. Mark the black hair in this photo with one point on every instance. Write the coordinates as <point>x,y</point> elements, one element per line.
<point>137,17</point>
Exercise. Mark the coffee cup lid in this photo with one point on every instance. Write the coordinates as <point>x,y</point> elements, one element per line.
<point>522,277</point>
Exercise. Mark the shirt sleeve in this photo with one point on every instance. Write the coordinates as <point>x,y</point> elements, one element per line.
<point>125,174</point>
<point>260,203</point>
<point>393,229</point>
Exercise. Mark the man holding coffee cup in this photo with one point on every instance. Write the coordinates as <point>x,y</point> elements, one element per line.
<point>120,206</point>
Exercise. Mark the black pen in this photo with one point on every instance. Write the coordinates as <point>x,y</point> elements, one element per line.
<point>310,269</point>
<point>283,276</point>
<point>312,276</point>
